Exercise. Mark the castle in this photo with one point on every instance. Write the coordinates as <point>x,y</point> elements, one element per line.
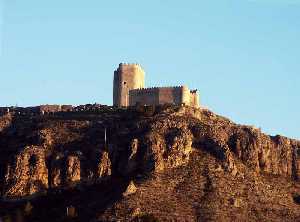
<point>129,90</point>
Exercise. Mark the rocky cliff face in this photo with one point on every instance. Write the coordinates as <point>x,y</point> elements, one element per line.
<point>68,151</point>
<point>59,151</point>
<point>275,155</point>
<point>27,174</point>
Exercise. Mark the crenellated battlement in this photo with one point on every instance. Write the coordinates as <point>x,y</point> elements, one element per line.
<point>125,66</point>
<point>155,88</point>
<point>129,64</point>
<point>143,90</point>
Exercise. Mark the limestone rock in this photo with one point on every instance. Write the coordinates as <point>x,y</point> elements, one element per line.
<point>27,174</point>
<point>136,212</point>
<point>104,166</point>
<point>5,121</point>
<point>229,163</point>
<point>236,202</point>
<point>73,169</point>
<point>132,163</point>
<point>131,189</point>
<point>169,149</point>
<point>56,173</point>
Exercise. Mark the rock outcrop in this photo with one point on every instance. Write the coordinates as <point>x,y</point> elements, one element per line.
<point>27,174</point>
<point>104,166</point>
<point>168,145</point>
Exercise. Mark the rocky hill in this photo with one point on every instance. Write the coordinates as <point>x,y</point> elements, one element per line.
<point>166,163</point>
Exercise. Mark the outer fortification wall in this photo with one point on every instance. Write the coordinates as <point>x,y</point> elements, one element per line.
<point>126,78</point>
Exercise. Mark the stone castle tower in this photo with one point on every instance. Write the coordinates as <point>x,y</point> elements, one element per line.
<point>129,90</point>
<point>127,77</point>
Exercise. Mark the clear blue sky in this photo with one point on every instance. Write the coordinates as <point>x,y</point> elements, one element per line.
<point>243,55</point>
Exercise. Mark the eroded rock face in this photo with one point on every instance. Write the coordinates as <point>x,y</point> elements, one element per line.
<point>72,169</point>
<point>59,153</point>
<point>169,149</point>
<point>275,155</point>
<point>104,166</point>
<point>28,173</point>
<point>133,158</point>
<point>131,189</point>
<point>5,121</point>
<point>56,172</point>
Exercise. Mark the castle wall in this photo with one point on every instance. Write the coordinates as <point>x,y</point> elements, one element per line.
<point>148,96</point>
<point>126,78</point>
<point>170,95</point>
<point>159,96</point>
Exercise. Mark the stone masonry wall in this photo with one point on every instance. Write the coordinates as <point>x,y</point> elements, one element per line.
<point>148,96</point>
<point>163,95</point>
<point>194,98</point>
<point>170,95</point>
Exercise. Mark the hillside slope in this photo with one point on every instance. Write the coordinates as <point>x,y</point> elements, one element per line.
<point>164,164</point>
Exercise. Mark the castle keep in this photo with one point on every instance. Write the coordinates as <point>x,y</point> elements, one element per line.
<point>129,90</point>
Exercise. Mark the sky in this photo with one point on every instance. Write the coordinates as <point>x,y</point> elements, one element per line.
<point>242,55</point>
